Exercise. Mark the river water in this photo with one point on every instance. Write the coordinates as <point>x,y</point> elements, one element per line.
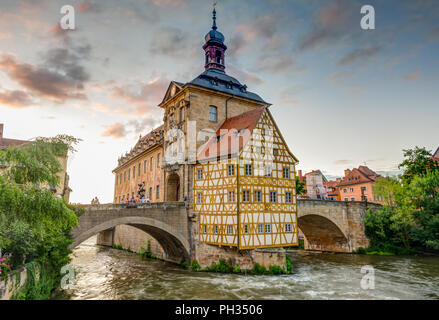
<point>106,273</point>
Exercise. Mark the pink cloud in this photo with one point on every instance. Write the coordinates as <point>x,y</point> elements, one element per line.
<point>15,99</point>
<point>412,76</point>
<point>115,131</point>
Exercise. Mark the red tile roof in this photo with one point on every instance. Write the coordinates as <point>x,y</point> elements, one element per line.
<point>361,175</point>
<point>232,135</point>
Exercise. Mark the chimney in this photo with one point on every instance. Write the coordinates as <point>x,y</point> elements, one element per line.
<point>1,132</point>
<point>300,173</point>
<point>346,172</point>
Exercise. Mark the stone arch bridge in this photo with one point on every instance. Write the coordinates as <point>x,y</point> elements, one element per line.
<point>326,225</point>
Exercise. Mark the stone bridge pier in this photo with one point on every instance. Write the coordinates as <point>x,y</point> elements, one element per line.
<point>335,226</point>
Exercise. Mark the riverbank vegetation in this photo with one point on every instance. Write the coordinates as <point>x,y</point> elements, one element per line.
<point>224,267</point>
<point>408,222</point>
<point>35,224</point>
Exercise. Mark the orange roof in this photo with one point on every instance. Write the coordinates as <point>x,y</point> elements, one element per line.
<point>232,135</point>
<point>361,175</point>
<point>332,184</point>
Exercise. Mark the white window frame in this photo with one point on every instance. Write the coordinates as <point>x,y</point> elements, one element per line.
<point>273,193</point>
<point>288,197</point>
<point>231,170</point>
<point>249,170</point>
<point>268,228</point>
<point>199,174</point>
<point>288,227</point>
<point>244,198</point>
<point>267,171</point>
<point>258,196</point>
<point>213,114</point>
<point>287,171</point>
<point>260,228</point>
<point>231,196</point>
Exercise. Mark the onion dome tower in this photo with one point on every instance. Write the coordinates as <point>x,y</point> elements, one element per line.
<point>214,48</point>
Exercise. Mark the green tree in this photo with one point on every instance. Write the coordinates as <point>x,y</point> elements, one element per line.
<point>417,162</point>
<point>36,225</point>
<point>424,192</point>
<point>410,217</point>
<point>300,186</point>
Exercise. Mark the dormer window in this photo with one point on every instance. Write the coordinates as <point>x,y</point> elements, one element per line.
<point>244,88</point>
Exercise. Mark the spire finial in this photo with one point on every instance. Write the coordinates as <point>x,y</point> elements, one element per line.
<point>214,17</point>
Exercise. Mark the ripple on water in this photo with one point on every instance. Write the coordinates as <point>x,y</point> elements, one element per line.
<point>105,273</point>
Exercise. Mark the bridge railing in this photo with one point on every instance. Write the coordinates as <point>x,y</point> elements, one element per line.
<point>114,206</point>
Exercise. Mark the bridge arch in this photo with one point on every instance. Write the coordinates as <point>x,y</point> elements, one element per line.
<point>175,246</point>
<point>323,234</point>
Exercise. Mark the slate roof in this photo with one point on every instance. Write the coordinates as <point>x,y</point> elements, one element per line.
<point>231,143</point>
<point>218,80</point>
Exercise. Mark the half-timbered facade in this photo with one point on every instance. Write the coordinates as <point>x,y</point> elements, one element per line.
<point>244,187</point>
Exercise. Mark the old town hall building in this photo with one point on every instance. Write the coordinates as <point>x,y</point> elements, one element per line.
<point>219,150</point>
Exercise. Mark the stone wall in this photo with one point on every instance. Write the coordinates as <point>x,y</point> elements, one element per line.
<point>206,255</point>
<point>10,287</point>
<point>132,238</point>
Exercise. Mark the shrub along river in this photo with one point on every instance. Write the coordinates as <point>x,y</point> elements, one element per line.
<point>106,273</point>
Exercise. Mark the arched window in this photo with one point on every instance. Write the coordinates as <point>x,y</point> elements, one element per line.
<point>207,57</point>
<point>213,113</point>
<point>218,56</point>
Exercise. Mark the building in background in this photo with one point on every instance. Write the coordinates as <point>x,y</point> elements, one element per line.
<point>141,168</point>
<point>357,185</point>
<point>316,185</point>
<point>436,155</point>
<point>333,189</point>
<point>62,189</point>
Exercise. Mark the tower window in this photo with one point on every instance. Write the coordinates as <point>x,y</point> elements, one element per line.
<point>213,114</point>
<point>218,56</point>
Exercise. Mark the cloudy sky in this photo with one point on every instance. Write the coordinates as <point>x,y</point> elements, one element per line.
<point>342,96</point>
